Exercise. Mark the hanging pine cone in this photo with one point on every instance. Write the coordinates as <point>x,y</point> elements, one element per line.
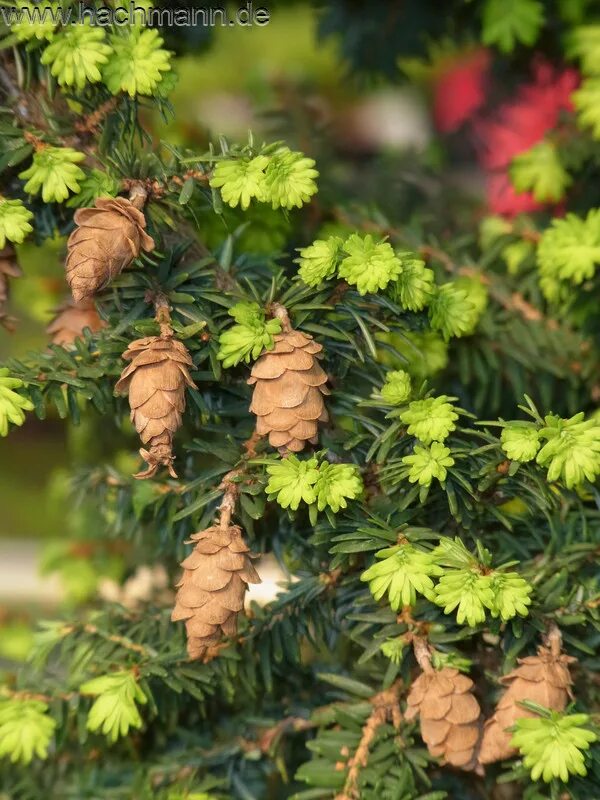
<point>289,384</point>
<point>544,679</point>
<point>212,588</point>
<point>71,320</point>
<point>450,716</point>
<point>8,269</point>
<point>106,240</point>
<point>155,380</point>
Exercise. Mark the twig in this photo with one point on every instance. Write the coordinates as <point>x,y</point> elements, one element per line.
<point>272,735</point>
<point>281,313</point>
<point>196,174</point>
<point>422,653</point>
<point>163,314</point>
<point>385,707</point>
<point>138,194</point>
<point>91,122</point>
<point>230,497</point>
<point>553,639</point>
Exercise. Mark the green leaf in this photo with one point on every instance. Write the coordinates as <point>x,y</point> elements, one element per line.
<point>539,170</point>
<point>292,481</point>
<point>507,23</point>
<point>554,745</point>
<point>587,103</point>
<point>25,730</point>
<point>250,337</point>
<point>115,710</point>
<point>569,249</point>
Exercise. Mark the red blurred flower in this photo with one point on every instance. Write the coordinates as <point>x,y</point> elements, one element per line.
<point>460,90</point>
<point>517,126</point>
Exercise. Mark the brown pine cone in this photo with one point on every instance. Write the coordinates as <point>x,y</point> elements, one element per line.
<point>289,384</point>
<point>155,380</point>
<point>211,591</point>
<point>8,269</point>
<point>450,716</point>
<point>106,240</point>
<point>71,320</point>
<point>542,679</point>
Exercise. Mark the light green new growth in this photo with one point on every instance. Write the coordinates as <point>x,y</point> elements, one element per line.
<point>452,312</point>
<point>520,441</point>
<point>471,587</point>
<point>319,261</point>
<point>553,746</point>
<point>584,44</point>
<point>540,171</point>
<point>511,595</point>
<point>586,100</point>
<point>34,25</point>
<point>467,591</point>
<point>54,172</point>
<point>289,179</point>
<point>507,23</point>
<point>368,265</point>
<point>292,481</point>
<point>95,184</point>
<point>12,404</point>
<point>14,221</point>
<point>336,484</point>
<point>430,420</point>
<point>569,249</point>
<point>138,62</point>
<point>25,730</point>
<point>250,337</point>
<point>76,53</point>
<point>427,463</point>
<point>115,710</point>
<point>394,649</point>
<point>402,572</point>
<point>240,180</point>
<point>416,283</point>
<point>572,449</point>
<point>397,387</point>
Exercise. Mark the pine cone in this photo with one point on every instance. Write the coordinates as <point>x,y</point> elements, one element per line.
<point>71,319</point>
<point>450,716</point>
<point>289,384</point>
<point>8,269</point>
<point>212,588</point>
<point>106,240</point>
<point>156,381</point>
<point>542,679</point>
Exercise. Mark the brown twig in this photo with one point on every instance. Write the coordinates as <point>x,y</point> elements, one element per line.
<point>422,653</point>
<point>553,639</point>
<point>138,194</point>
<point>281,313</point>
<point>196,174</point>
<point>34,141</point>
<point>163,314</point>
<point>386,707</point>
<point>230,496</point>
<point>90,123</point>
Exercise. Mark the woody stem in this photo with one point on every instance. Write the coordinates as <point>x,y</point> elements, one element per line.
<point>554,639</point>
<point>138,196</point>
<point>280,312</point>
<point>229,500</point>
<point>422,653</point>
<point>163,315</point>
